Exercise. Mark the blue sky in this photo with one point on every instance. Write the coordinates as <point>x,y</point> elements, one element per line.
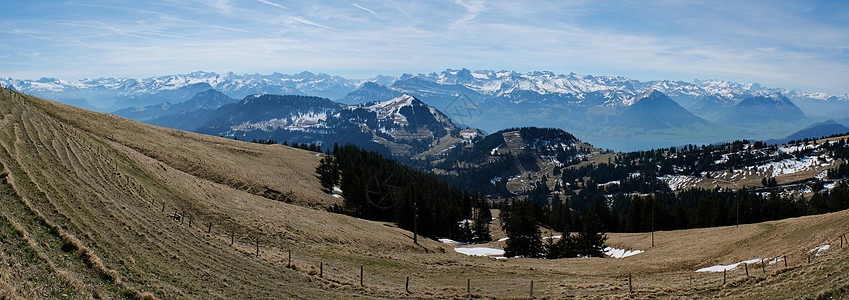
<point>790,44</point>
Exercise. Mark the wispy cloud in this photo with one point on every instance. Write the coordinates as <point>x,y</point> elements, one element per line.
<point>473,9</point>
<point>273,4</point>
<point>308,22</point>
<point>366,9</point>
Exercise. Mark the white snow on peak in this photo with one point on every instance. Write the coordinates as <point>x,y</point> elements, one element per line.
<point>392,108</point>
<point>469,134</point>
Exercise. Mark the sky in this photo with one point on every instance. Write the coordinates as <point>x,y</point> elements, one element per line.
<point>788,44</point>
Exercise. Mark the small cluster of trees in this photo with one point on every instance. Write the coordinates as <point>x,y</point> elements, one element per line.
<point>264,141</point>
<point>520,220</point>
<point>310,147</point>
<point>314,147</point>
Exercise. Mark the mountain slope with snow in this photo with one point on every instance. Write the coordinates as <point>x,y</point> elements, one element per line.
<point>402,126</point>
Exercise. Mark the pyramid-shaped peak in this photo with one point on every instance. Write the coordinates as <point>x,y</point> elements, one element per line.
<point>404,98</point>
<point>777,97</point>
<point>651,93</point>
<point>371,84</point>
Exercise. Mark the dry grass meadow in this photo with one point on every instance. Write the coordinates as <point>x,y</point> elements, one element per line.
<point>82,217</point>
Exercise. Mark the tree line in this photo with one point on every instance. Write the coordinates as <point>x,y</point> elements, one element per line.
<point>381,189</point>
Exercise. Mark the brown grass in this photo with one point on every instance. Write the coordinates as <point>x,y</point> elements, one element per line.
<point>95,201</point>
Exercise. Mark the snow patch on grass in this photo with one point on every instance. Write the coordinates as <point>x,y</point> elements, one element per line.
<point>450,241</point>
<point>680,182</point>
<point>620,253</point>
<point>820,249</point>
<point>720,268</point>
<point>480,251</point>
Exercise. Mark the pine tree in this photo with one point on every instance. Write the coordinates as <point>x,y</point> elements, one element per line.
<point>563,248</point>
<point>521,226</point>
<point>560,216</point>
<point>328,172</point>
<point>590,240</point>
<point>483,217</point>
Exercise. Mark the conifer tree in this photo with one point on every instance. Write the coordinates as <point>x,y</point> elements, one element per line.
<point>590,240</point>
<point>521,226</point>
<point>483,217</point>
<point>328,172</point>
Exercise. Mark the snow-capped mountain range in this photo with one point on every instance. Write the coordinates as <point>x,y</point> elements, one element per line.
<point>585,105</point>
<point>619,91</point>
<point>109,94</point>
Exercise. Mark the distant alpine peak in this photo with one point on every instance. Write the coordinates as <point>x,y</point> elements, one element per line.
<point>772,97</point>
<point>650,94</point>
<point>778,97</point>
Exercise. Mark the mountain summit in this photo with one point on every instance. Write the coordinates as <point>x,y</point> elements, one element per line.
<point>402,126</point>
<point>654,110</point>
<point>764,109</point>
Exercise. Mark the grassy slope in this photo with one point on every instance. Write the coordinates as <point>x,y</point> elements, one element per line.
<point>64,189</point>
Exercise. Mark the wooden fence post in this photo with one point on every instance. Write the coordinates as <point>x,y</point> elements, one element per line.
<point>289,262</point>
<point>163,206</point>
<point>630,285</point>
<point>257,247</point>
<point>532,289</point>
<point>190,221</point>
<point>747,269</point>
<point>209,228</point>
<point>724,275</point>
<point>361,275</point>
<point>469,287</point>
<point>763,265</point>
<point>321,269</point>
<point>232,236</point>
<point>407,285</point>
<point>785,261</point>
